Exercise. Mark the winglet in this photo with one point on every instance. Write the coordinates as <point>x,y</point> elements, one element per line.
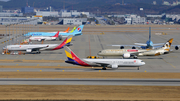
<point>56,35</point>
<point>67,29</point>
<point>65,42</point>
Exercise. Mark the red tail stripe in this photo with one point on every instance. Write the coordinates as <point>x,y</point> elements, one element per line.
<point>61,45</point>
<point>78,60</point>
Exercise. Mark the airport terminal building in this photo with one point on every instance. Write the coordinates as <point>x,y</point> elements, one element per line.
<point>72,21</point>
<point>12,20</point>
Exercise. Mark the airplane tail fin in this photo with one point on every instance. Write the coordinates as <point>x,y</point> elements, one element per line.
<point>73,29</point>
<point>67,42</point>
<point>167,45</point>
<point>73,58</point>
<point>67,29</point>
<point>79,30</point>
<point>56,35</point>
<point>149,33</point>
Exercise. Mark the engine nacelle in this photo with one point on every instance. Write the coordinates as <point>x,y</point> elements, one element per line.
<point>126,55</point>
<point>114,66</point>
<point>176,47</point>
<point>39,39</point>
<point>122,47</point>
<point>28,50</point>
<point>133,47</point>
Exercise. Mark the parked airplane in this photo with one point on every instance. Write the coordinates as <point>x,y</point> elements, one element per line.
<point>44,38</point>
<point>77,32</point>
<point>127,53</point>
<point>148,45</point>
<point>30,48</point>
<point>110,63</point>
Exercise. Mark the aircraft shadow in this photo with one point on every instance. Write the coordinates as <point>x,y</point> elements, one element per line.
<point>150,58</point>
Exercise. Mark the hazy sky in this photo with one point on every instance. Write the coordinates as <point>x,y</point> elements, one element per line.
<point>4,0</point>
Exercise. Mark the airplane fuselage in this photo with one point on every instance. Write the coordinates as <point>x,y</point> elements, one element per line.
<point>40,38</point>
<point>111,63</point>
<point>140,52</point>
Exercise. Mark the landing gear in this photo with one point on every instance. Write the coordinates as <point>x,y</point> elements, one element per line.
<point>138,68</point>
<point>135,57</point>
<point>104,68</point>
<point>38,52</point>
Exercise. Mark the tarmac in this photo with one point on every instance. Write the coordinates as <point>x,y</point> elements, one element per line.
<point>89,44</point>
<point>142,82</point>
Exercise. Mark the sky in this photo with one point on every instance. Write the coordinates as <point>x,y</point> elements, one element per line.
<point>4,0</point>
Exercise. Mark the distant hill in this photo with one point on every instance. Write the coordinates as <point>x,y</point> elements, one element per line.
<point>95,6</point>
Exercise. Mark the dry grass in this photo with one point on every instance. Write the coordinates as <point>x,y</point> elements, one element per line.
<point>83,92</point>
<point>32,61</point>
<point>64,74</point>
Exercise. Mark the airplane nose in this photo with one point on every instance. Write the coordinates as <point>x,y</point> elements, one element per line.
<point>143,63</point>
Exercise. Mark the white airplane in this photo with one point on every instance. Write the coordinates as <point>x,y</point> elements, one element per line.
<point>30,48</point>
<point>110,63</point>
<point>148,45</point>
<point>44,38</point>
<point>127,53</point>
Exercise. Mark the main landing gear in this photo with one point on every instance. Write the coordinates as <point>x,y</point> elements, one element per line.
<point>104,68</point>
<point>38,52</point>
<point>138,68</point>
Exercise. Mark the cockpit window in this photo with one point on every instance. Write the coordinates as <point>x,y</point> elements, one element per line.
<point>142,61</point>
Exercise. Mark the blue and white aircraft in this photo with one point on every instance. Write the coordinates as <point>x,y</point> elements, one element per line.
<point>148,45</point>
<point>77,32</point>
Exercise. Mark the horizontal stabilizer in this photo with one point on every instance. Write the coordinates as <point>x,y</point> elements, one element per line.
<point>157,44</point>
<point>140,44</point>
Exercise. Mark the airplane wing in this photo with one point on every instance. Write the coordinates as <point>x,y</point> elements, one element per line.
<point>126,45</point>
<point>158,44</point>
<point>38,48</point>
<point>140,44</point>
<point>176,45</point>
<point>102,63</point>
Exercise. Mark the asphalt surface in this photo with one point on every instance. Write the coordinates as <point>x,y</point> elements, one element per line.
<point>88,69</point>
<point>91,44</point>
<point>143,82</point>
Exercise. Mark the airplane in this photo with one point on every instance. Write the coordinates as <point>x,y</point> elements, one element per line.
<point>44,38</point>
<point>148,45</point>
<point>30,48</point>
<point>109,63</point>
<point>77,32</point>
<point>127,53</point>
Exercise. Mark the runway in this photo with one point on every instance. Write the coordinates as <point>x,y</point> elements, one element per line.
<point>143,82</point>
<point>89,69</point>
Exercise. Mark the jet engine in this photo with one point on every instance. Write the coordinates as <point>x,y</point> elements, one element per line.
<point>60,37</point>
<point>28,50</point>
<point>133,47</point>
<point>126,55</point>
<point>122,47</point>
<point>39,40</point>
<point>176,47</point>
<point>113,66</point>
